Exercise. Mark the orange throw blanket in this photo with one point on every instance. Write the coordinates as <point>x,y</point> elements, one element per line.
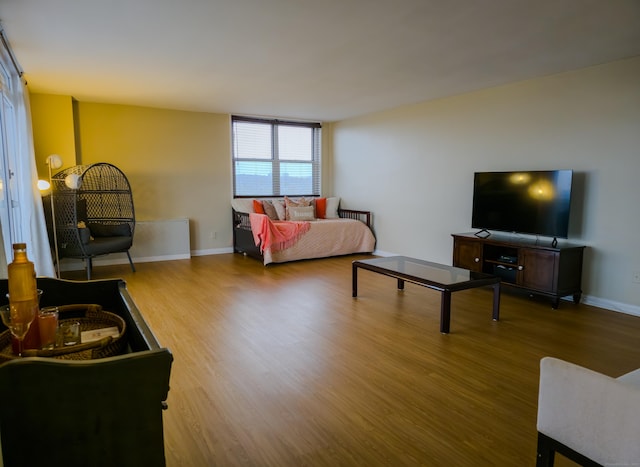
<point>275,235</point>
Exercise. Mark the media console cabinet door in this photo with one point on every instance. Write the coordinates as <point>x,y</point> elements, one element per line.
<point>539,269</point>
<point>467,254</point>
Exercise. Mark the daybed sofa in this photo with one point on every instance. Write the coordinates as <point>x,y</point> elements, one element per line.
<point>299,229</point>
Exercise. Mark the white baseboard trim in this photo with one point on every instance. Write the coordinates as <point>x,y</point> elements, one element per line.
<point>153,259</point>
<point>611,305</point>
<point>212,251</point>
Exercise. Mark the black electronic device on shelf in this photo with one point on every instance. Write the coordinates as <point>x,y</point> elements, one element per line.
<point>508,259</point>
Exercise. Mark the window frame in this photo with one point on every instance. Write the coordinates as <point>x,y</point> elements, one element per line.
<point>276,160</point>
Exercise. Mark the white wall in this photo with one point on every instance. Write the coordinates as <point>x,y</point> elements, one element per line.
<point>413,166</point>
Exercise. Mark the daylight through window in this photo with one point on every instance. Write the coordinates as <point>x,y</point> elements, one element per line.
<point>275,157</point>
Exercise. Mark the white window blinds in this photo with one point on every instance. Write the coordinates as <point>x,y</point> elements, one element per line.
<point>275,157</point>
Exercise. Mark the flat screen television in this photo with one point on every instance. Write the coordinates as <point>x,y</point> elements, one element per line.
<point>528,202</point>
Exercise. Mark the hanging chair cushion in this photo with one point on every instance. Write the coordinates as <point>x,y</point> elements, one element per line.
<point>104,245</point>
<point>110,230</point>
<point>97,246</point>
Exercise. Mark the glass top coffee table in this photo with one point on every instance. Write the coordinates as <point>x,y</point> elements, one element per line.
<point>446,279</point>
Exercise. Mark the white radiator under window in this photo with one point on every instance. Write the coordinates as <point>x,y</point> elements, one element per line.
<point>157,240</point>
<point>161,240</point>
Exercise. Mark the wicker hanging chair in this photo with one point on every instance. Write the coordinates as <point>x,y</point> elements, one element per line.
<point>94,212</point>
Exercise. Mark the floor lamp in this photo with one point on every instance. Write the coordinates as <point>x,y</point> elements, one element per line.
<point>54,161</point>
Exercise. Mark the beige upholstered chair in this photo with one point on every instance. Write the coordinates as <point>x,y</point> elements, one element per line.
<point>590,418</point>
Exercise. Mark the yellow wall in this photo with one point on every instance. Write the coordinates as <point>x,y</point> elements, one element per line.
<point>53,130</point>
<point>178,163</point>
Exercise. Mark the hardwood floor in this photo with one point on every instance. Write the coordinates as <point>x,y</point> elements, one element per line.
<point>280,366</point>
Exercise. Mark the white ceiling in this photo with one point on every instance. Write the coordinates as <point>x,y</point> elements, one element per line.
<point>323,60</point>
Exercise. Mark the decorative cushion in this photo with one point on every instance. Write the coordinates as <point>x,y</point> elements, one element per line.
<point>297,202</point>
<point>102,245</point>
<point>300,213</point>
<point>332,208</point>
<point>257,207</point>
<point>270,210</point>
<point>280,209</point>
<point>321,207</point>
<point>110,230</point>
<point>289,203</point>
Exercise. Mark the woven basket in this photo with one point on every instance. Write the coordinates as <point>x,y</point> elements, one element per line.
<point>90,317</point>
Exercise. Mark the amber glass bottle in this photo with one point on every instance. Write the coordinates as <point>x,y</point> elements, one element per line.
<point>23,292</point>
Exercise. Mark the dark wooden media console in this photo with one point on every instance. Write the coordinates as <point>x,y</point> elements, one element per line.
<point>537,267</point>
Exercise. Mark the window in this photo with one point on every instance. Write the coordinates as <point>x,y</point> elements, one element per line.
<point>21,211</point>
<point>275,157</point>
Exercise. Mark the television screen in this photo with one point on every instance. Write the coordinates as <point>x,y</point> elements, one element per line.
<point>530,202</point>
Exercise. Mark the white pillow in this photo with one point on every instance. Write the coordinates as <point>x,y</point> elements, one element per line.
<point>301,213</point>
<point>332,208</point>
<point>242,204</point>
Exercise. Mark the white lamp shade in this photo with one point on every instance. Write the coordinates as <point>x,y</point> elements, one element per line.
<point>54,161</point>
<point>73,181</point>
